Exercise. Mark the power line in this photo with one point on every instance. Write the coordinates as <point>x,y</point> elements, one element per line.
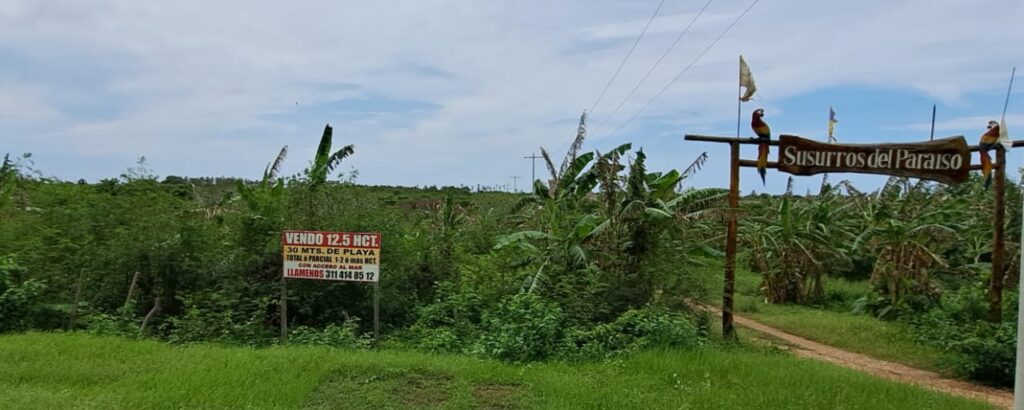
<point>622,64</point>
<point>629,53</point>
<point>656,63</point>
<point>699,56</point>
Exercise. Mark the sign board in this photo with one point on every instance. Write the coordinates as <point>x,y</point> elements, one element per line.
<point>944,160</point>
<point>348,256</point>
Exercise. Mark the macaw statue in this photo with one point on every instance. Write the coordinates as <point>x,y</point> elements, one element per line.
<point>764,134</point>
<point>989,140</point>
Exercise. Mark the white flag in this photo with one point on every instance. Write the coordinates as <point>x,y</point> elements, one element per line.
<point>1004,135</point>
<point>746,80</point>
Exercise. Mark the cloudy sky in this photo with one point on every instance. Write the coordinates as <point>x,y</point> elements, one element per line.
<point>452,92</point>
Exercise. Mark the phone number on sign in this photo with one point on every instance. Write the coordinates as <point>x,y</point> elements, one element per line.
<point>348,275</point>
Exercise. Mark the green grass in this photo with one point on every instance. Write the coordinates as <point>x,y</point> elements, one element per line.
<point>44,371</point>
<point>856,333</point>
<point>833,324</point>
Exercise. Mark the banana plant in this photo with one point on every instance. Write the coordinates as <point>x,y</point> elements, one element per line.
<point>325,161</point>
<point>269,190</point>
<point>265,203</point>
<point>908,235</point>
<point>790,246</point>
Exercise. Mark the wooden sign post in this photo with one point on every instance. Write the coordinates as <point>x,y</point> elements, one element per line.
<point>945,160</point>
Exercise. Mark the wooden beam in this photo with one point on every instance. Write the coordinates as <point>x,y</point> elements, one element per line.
<point>730,140</point>
<point>755,141</point>
<point>753,163</point>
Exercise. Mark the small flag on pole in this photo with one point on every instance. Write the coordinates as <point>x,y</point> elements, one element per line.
<point>832,125</point>
<point>746,81</point>
<point>1004,135</point>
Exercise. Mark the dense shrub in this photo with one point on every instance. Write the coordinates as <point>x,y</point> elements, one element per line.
<point>216,318</point>
<point>633,331</point>
<point>21,300</point>
<point>344,335</point>
<point>979,349</point>
<point>121,323</point>
<point>523,328</point>
<point>987,352</point>
<point>448,325</point>
<point>437,339</point>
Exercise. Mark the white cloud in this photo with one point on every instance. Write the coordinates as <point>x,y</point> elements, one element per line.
<point>200,76</point>
<point>976,123</point>
<point>25,104</point>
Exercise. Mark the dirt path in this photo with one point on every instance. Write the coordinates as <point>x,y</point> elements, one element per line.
<point>889,370</point>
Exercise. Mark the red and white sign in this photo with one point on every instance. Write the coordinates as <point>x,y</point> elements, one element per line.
<point>349,256</point>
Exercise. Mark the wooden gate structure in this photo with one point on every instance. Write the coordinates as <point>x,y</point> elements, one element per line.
<point>842,151</point>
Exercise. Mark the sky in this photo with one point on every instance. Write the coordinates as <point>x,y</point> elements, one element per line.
<point>451,92</point>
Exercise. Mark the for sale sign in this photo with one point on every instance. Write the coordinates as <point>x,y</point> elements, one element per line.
<point>349,256</point>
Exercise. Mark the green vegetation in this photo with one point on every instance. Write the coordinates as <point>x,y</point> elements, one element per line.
<point>834,323</point>
<point>556,273</point>
<point>44,371</point>
<point>857,333</point>
<point>591,271</point>
<point>921,249</point>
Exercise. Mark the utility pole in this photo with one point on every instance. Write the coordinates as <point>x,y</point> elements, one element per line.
<point>515,187</point>
<point>533,173</point>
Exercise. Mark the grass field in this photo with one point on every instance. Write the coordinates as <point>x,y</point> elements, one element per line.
<point>47,371</point>
<point>834,325</point>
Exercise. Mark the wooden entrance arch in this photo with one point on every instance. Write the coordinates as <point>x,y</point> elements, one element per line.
<point>998,237</point>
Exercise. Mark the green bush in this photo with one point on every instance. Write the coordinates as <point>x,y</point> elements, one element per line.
<point>437,339</point>
<point>21,301</point>
<point>344,335</point>
<point>980,350</point>
<point>448,325</point>
<point>987,352</point>
<point>523,328</point>
<point>635,330</point>
<point>214,317</point>
<point>121,323</point>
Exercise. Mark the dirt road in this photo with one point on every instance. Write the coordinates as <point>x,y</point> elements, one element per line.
<point>889,370</point>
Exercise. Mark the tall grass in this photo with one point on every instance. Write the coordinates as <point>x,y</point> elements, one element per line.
<point>45,371</point>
